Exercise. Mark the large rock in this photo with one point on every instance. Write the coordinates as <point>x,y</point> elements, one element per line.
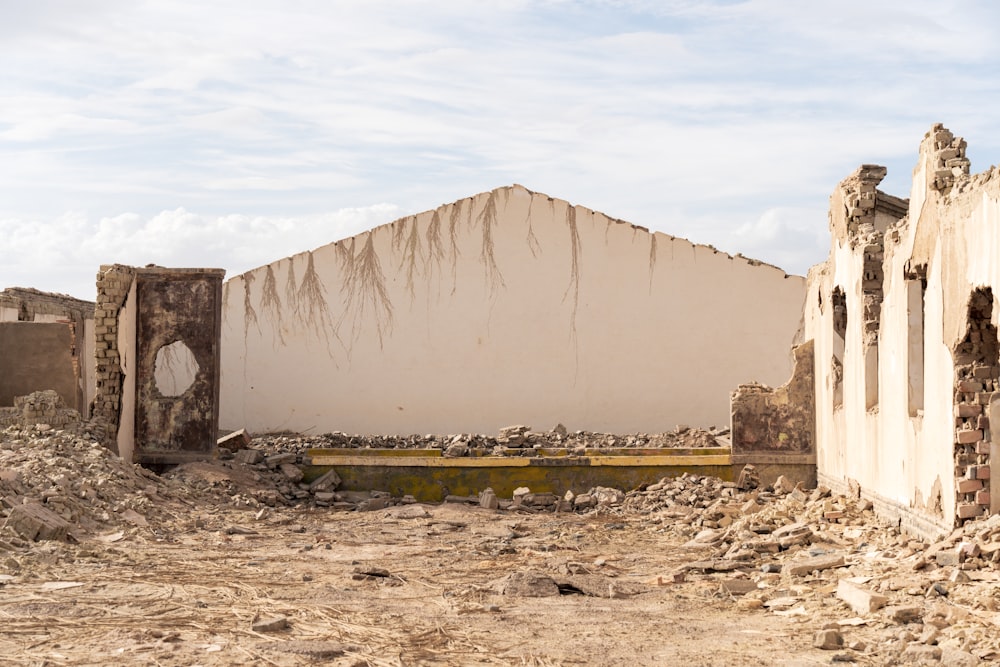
<point>34,522</point>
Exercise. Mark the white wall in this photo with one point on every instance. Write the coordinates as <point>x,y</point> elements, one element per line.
<point>508,307</point>
<point>904,460</point>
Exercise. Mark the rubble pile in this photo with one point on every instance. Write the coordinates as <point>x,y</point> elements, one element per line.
<point>509,441</point>
<point>810,554</point>
<point>62,484</point>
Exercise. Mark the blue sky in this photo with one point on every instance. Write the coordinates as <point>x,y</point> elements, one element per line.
<point>232,134</point>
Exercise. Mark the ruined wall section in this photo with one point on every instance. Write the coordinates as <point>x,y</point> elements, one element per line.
<point>926,455</point>
<point>113,285</point>
<point>20,304</point>
<point>777,420</point>
<point>507,307</point>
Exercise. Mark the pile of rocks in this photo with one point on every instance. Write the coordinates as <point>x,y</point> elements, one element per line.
<point>807,554</point>
<point>509,441</point>
<point>62,484</point>
<point>55,483</point>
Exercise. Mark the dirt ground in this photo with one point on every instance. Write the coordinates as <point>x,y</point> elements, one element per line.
<point>226,563</point>
<point>191,595</point>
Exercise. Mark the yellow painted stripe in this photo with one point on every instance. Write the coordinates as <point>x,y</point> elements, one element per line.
<point>518,461</point>
<point>722,460</point>
<point>421,462</point>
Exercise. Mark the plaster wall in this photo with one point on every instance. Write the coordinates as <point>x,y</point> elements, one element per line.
<point>907,456</point>
<point>17,304</point>
<point>507,307</point>
<point>35,356</point>
<point>127,358</point>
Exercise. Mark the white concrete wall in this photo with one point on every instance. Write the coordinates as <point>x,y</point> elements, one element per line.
<point>905,460</point>
<point>128,318</point>
<point>508,307</point>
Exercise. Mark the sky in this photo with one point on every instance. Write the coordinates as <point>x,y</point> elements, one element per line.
<point>232,134</point>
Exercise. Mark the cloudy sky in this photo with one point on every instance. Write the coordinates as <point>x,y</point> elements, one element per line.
<point>232,134</point>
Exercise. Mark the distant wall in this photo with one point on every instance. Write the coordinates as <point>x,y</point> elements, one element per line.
<point>31,305</point>
<point>35,356</point>
<point>507,307</point>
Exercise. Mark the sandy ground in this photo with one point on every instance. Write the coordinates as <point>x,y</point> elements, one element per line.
<point>196,568</point>
<point>191,596</point>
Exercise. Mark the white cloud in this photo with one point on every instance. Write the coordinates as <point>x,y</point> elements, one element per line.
<point>792,238</point>
<point>63,255</point>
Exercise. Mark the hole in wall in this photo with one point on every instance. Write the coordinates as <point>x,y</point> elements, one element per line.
<point>175,369</point>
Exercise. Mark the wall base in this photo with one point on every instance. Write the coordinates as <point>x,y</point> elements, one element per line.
<point>893,512</point>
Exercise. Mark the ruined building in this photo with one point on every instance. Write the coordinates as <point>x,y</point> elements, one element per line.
<point>503,308</point>
<point>513,307</point>
<point>47,342</point>
<point>903,315</point>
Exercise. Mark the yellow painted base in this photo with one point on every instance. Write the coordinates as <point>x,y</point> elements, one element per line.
<point>429,477</point>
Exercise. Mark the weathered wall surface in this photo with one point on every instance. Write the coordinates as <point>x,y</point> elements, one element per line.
<point>507,307</point>
<point>922,447</point>
<point>778,421</point>
<point>158,362</point>
<point>19,304</point>
<point>35,356</point>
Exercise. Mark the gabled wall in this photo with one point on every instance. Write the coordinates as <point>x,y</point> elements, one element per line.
<point>912,426</point>
<point>507,307</point>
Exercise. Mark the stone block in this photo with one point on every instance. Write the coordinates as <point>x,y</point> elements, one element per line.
<point>905,614</point>
<point>249,456</point>
<point>965,410</point>
<point>34,522</point>
<point>488,499</point>
<point>969,549</point>
<point>808,565</point>
<point>738,586</point>
<point>983,497</point>
<point>860,600</point>
<point>970,386</point>
<point>969,485</point>
<point>277,459</point>
<point>292,472</point>
<point>828,640</point>
<point>968,436</point>
<point>968,510</point>
<point>329,481</point>
<point>235,440</point>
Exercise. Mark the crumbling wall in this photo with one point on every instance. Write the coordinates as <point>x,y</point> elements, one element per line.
<point>113,285</point>
<point>40,409</point>
<point>19,304</point>
<point>778,421</point>
<point>35,356</point>
<point>158,362</point>
<point>507,307</point>
<point>922,449</point>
